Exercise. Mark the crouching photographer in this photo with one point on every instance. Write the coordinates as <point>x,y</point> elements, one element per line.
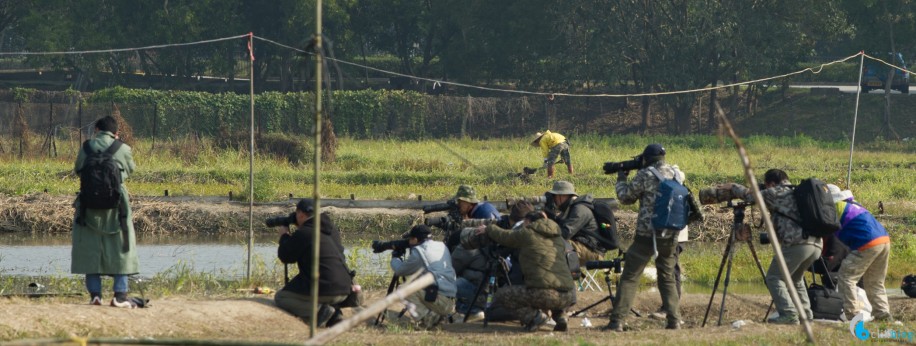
<point>333,277</point>
<point>542,257</point>
<point>433,305</point>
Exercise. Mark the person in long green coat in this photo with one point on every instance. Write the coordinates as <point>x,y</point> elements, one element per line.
<point>100,245</point>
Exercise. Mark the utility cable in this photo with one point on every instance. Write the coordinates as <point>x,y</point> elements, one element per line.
<point>115,50</point>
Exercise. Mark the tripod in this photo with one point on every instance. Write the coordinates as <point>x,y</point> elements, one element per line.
<point>494,266</point>
<point>738,225</point>
<point>395,280</point>
<point>610,293</point>
<point>609,267</point>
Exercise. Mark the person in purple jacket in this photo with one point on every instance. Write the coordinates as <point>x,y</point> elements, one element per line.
<point>870,248</point>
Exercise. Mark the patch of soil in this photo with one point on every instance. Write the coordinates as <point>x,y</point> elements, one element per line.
<point>255,319</point>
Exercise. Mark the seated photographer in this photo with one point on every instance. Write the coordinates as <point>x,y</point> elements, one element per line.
<point>433,305</point>
<point>574,214</point>
<point>333,277</point>
<point>471,265</point>
<point>548,285</point>
<point>472,208</point>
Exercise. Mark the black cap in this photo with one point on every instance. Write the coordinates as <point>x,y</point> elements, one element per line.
<point>305,205</point>
<point>653,150</point>
<point>421,232</point>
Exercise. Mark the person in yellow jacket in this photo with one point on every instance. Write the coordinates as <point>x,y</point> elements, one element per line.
<point>553,145</point>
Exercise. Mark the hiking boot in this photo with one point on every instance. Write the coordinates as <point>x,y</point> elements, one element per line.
<point>783,320</point>
<point>335,318</point>
<point>561,324</point>
<point>325,312</point>
<point>96,300</point>
<point>673,324</point>
<point>614,326</point>
<point>535,323</point>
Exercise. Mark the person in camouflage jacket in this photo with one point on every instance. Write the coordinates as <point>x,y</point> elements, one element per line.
<point>642,188</point>
<point>799,250</point>
<point>542,256</point>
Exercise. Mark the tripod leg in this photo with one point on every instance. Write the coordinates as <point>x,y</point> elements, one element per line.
<point>728,275</point>
<point>391,287</point>
<point>473,302</point>
<point>715,286</point>
<point>763,274</point>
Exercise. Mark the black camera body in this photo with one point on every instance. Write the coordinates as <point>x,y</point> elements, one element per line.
<point>629,165</point>
<point>277,221</point>
<point>398,246</point>
<point>615,265</point>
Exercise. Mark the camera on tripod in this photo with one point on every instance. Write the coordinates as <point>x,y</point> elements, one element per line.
<point>614,265</point>
<point>277,221</point>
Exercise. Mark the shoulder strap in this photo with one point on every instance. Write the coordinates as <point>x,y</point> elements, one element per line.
<point>113,148</point>
<point>657,174</point>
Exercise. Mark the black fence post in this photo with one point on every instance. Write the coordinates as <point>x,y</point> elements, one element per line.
<point>155,118</point>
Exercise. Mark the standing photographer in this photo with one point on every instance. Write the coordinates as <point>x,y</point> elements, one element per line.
<point>643,189</point>
<point>871,247</point>
<point>333,277</point>
<point>434,304</point>
<point>542,256</point>
<point>799,250</point>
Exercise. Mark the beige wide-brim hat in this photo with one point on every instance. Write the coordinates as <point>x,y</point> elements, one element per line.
<point>537,139</point>
<point>837,194</point>
<point>563,187</point>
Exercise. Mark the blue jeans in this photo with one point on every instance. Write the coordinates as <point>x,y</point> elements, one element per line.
<point>465,296</point>
<point>94,283</point>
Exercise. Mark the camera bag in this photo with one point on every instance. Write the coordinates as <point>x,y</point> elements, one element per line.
<point>606,235</point>
<point>671,204</point>
<point>816,207</point>
<point>826,303</point>
<point>100,178</point>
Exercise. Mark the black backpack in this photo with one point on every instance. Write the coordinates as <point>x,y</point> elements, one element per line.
<point>816,207</point>
<point>606,234</point>
<point>100,178</point>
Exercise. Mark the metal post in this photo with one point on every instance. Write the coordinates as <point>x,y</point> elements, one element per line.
<point>855,118</point>
<point>250,155</point>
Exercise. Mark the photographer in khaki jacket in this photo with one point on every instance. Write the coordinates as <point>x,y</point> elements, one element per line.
<point>542,256</point>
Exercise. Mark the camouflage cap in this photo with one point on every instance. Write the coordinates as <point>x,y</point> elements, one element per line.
<point>466,193</point>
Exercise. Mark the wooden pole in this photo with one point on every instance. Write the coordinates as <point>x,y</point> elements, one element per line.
<point>250,157</point>
<point>370,311</point>
<point>765,215</point>
<point>316,189</point>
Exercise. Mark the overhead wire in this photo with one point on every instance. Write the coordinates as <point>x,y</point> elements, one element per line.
<point>116,50</point>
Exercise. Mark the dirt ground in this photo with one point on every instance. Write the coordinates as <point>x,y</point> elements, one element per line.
<point>254,319</point>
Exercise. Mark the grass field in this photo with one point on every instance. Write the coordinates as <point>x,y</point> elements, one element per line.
<point>392,169</point>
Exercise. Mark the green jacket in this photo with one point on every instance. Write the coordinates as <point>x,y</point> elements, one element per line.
<point>542,253</point>
<point>98,246</point>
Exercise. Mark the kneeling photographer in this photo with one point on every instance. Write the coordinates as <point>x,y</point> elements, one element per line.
<point>333,276</point>
<point>542,257</point>
<point>433,305</point>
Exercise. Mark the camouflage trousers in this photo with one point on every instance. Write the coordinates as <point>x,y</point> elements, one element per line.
<point>429,314</point>
<point>526,302</point>
<point>559,151</point>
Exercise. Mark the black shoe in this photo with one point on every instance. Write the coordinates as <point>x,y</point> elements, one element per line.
<point>673,324</point>
<point>614,326</point>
